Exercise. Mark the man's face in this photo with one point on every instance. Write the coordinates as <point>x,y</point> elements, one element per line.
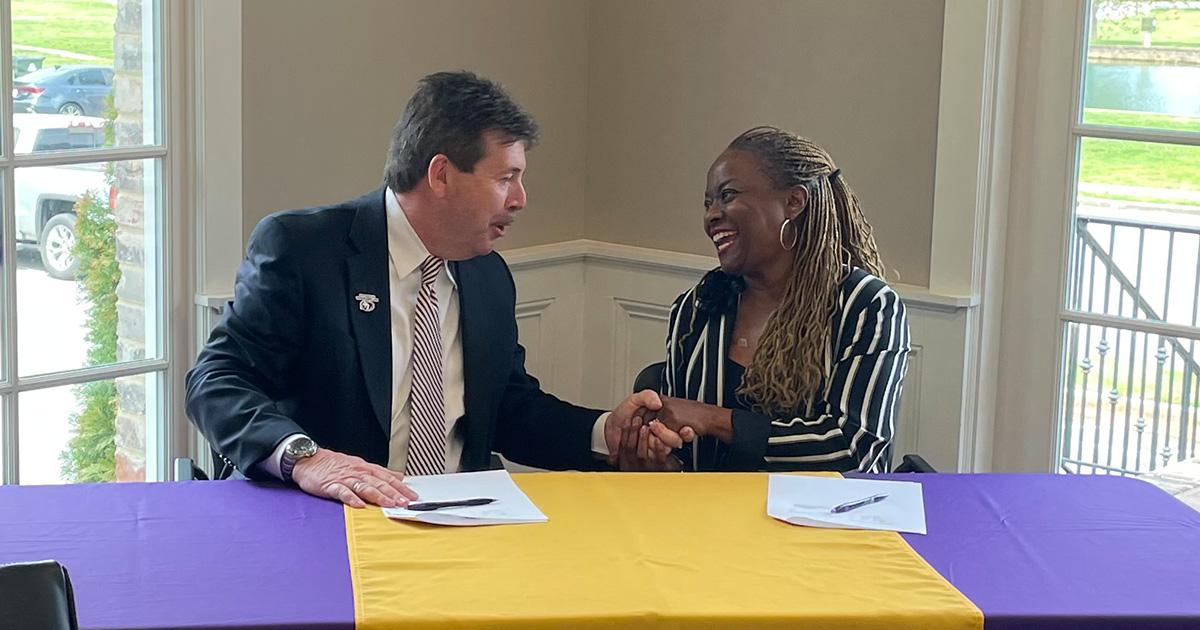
<point>482,204</point>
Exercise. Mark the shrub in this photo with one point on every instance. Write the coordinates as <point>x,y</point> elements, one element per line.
<point>90,455</point>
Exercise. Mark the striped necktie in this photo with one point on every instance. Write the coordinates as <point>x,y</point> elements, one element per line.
<point>427,435</point>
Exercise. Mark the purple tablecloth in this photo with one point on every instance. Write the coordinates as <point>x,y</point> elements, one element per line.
<point>1041,552</point>
<point>197,555</point>
<point>1031,551</point>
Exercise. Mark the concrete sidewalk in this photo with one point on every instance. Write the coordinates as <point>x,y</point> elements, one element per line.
<point>1181,479</point>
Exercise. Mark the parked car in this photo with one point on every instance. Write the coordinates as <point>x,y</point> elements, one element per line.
<point>73,90</point>
<point>45,196</point>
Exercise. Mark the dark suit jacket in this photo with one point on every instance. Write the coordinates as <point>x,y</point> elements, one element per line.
<point>293,352</point>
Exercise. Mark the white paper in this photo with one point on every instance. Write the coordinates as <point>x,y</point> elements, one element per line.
<point>801,500</point>
<point>511,506</point>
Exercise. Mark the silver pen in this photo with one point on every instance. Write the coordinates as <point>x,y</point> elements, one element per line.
<point>854,505</point>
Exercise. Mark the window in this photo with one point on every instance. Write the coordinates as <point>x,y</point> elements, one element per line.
<point>1131,304</point>
<point>84,337</point>
<point>68,138</point>
<point>91,77</point>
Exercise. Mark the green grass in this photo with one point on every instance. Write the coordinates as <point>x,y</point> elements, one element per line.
<point>1142,164</point>
<point>77,26</point>
<point>1172,383</point>
<point>1176,28</point>
<point>1148,165</point>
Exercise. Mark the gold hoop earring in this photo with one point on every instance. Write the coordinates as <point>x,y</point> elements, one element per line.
<point>795,234</point>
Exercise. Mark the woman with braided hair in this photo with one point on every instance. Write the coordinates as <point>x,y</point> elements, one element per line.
<point>792,354</point>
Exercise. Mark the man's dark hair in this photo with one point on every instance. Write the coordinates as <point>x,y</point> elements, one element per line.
<point>448,114</point>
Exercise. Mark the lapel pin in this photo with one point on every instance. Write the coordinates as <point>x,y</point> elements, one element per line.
<point>366,302</point>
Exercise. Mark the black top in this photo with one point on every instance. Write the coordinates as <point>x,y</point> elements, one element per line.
<point>734,373</point>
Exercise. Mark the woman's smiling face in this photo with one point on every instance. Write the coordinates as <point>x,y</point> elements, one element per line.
<point>744,211</point>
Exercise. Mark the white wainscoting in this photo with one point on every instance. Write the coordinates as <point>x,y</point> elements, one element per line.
<point>592,314</point>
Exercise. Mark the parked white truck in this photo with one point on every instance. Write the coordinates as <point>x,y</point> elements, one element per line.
<point>45,196</point>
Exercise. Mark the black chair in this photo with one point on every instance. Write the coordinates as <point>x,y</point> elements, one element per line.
<point>187,470</point>
<point>913,463</point>
<point>651,377</point>
<point>222,468</point>
<point>36,595</point>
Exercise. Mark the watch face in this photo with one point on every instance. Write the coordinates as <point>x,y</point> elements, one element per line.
<point>302,447</point>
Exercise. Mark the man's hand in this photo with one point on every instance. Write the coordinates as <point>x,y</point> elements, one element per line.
<point>642,449</point>
<point>630,413</point>
<point>351,480</point>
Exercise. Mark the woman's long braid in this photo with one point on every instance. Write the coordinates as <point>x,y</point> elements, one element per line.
<point>789,364</point>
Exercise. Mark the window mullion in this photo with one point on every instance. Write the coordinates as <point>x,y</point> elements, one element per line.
<point>1160,136</point>
<point>6,77</point>
<point>9,466</point>
<point>89,374</point>
<point>61,158</point>
<point>1135,325</point>
<point>159,434</point>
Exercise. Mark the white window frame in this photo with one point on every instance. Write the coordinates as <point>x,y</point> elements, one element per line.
<point>174,315</point>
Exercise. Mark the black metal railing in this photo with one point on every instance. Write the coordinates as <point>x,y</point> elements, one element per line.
<point>1132,397</point>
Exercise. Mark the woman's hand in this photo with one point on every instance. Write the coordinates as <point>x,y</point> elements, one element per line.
<point>689,418</point>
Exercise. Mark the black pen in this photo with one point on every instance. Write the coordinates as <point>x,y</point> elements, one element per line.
<point>854,505</point>
<point>429,506</point>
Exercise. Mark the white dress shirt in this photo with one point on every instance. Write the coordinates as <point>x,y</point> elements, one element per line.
<point>405,254</point>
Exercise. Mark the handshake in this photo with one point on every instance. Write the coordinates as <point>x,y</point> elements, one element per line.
<point>643,431</point>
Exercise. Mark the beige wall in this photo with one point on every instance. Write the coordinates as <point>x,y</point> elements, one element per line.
<point>635,99</point>
<point>673,81</point>
<point>324,82</point>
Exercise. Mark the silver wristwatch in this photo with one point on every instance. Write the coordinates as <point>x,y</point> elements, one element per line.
<point>295,451</point>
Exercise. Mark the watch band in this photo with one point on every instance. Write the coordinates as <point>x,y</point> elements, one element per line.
<point>287,463</point>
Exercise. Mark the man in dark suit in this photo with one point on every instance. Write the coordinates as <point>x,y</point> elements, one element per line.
<point>377,337</point>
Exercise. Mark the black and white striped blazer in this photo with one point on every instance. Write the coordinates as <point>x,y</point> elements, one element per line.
<point>849,427</point>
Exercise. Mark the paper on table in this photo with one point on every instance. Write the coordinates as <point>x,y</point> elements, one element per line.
<point>511,506</point>
<point>801,500</point>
